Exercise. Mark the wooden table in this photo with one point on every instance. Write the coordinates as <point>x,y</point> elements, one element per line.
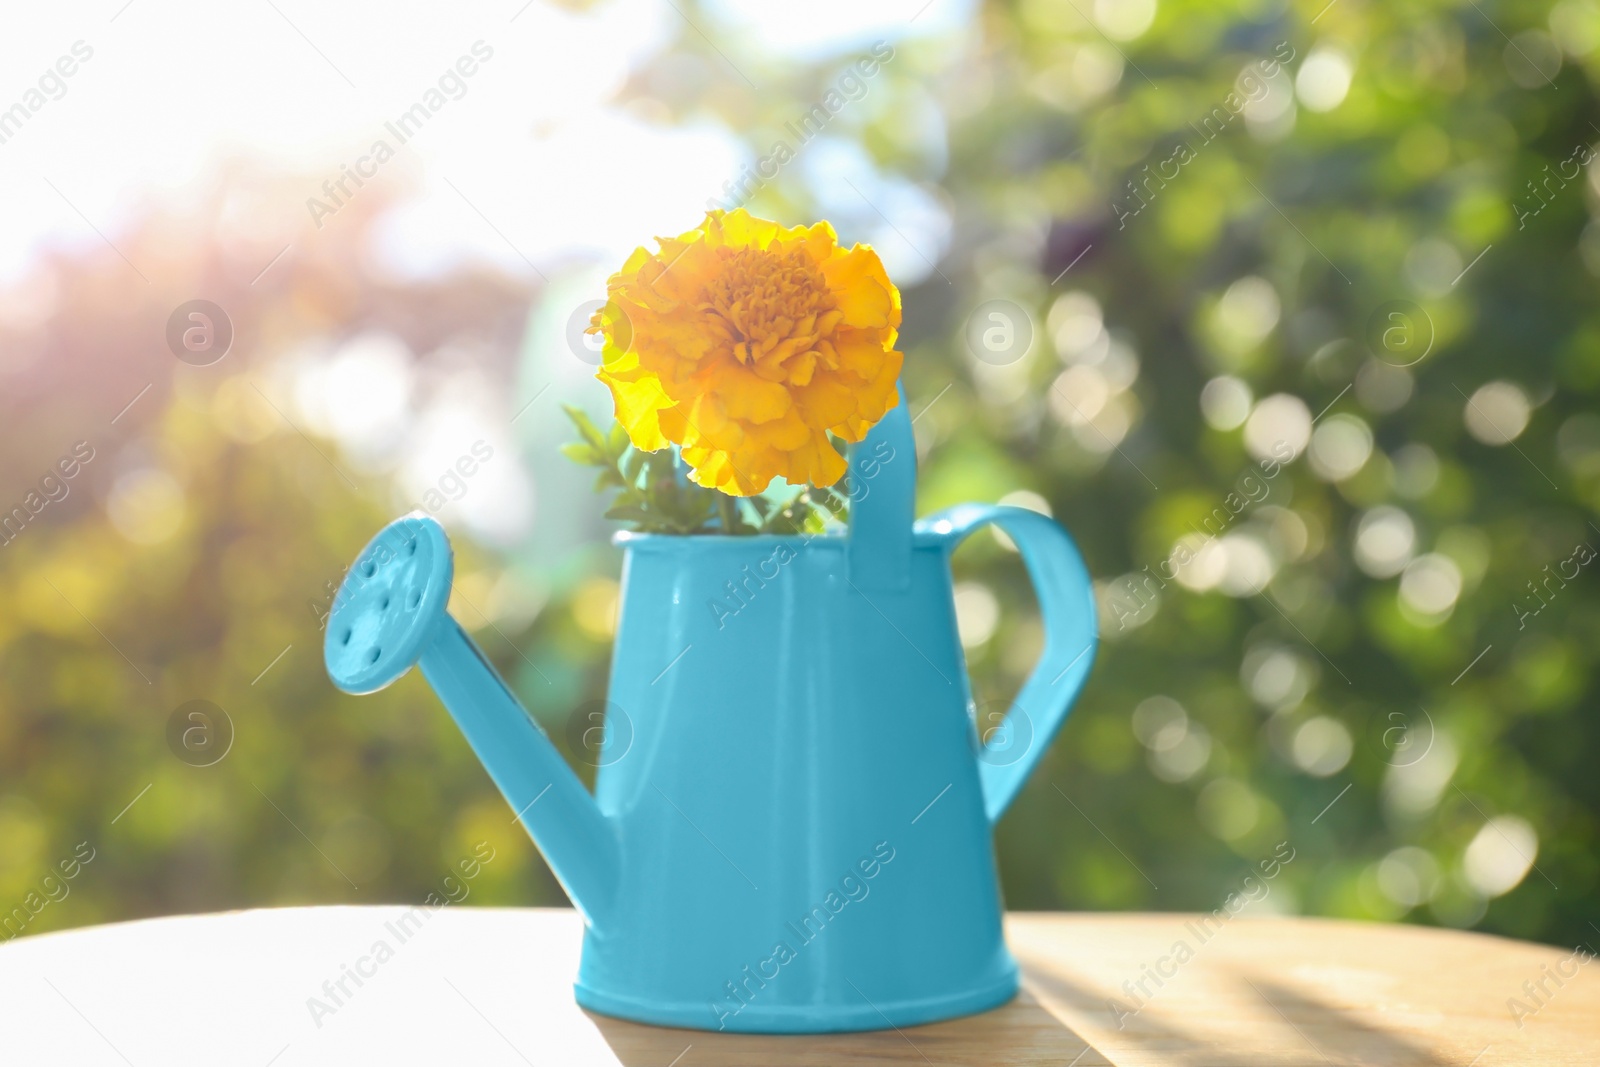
<point>492,986</point>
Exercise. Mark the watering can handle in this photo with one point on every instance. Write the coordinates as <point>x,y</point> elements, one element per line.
<point>1066,600</point>
<point>883,497</point>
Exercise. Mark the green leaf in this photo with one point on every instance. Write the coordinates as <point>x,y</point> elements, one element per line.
<point>584,454</point>
<point>634,464</point>
<point>787,519</point>
<point>617,441</point>
<point>731,514</point>
<point>838,505</point>
<point>653,493</point>
<point>586,428</point>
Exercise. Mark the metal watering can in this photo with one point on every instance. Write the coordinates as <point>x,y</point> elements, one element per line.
<point>791,825</point>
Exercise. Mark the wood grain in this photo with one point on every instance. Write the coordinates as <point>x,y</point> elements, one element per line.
<point>1257,993</point>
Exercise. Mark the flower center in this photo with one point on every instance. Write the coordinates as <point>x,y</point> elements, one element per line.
<point>775,304</point>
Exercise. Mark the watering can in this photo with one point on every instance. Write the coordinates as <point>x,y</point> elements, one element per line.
<point>791,828</point>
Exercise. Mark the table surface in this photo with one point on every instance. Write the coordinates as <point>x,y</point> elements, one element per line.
<point>493,986</point>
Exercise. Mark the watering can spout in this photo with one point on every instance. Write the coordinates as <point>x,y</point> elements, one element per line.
<point>390,613</point>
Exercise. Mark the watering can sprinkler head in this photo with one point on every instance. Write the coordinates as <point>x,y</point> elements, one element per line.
<point>391,612</point>
<point>391,602</point>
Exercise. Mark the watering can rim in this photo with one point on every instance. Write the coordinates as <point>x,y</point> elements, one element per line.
<point>923,536</point>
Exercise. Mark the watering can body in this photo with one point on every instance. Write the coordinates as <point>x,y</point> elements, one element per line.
<point>791,829</point>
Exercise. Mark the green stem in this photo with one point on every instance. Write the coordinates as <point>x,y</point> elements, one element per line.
<point>725,511</point>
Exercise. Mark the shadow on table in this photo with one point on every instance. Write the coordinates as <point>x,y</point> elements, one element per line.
<point>1019,1032</point>
<point>1295,1030</point>
<point>1324,1033</point>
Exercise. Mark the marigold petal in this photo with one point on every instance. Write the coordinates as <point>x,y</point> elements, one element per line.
<point>740,229</point>
<point>674,427</point>
<point>856,426</point>
<point>717,469</point>
<point>861,352</point>
<point>748,396</point>
<point>638,405</point>
<point>816,462</point>
<point>862,289</point>
<point>787,433</point>
<point>826,402</point>
<point>821,242</point>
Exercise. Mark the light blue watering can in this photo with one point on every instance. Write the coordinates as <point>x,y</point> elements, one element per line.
<point>791,826</point>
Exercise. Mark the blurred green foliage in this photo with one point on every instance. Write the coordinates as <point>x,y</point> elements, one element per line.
<point>1370,660</point>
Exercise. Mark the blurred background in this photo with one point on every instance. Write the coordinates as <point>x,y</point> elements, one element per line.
<point>1284,310</point>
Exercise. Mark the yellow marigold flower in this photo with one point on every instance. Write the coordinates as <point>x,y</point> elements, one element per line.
<point>747,344</point>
